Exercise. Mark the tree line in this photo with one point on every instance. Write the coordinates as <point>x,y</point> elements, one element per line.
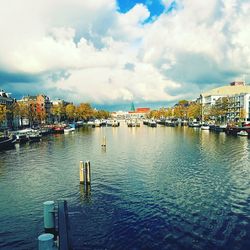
<point>56,113</point>
<point>186,110</point>
<point>182,110</point>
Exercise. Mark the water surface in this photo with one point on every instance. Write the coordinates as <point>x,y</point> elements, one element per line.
<point>152,188</point>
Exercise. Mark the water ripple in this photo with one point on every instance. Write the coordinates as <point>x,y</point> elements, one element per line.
<point>163,188</point>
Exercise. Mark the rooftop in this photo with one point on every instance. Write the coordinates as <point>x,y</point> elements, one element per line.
<point>228,90</point>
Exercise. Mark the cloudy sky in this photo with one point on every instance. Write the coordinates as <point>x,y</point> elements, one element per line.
<point>114,52</point>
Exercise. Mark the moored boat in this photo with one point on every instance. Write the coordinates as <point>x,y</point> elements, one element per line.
<point>6,143</point>
<point>242,133</point>
<point>152,124</point>
<point>194,125</point>
<point>97,123</point>
<point>115,123</point>
<point>34,136</point>
<point>205,127</point>
<point>21,136</point>
<point>69,130</point>
<point>58,130</point>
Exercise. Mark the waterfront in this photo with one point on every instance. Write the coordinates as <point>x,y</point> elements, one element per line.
<point>153,188</point>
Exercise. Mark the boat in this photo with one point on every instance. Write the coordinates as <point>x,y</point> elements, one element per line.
<point>184,123</point>
<point>6,143</point>
<point>115,123</point>
<point>44,131</point>
<point>145,122</point>
<point>68,130</point>
<point>205,127</point>
<point>79,123</point>
<point>58,130</point>
<point>21,136</point>
<point>97,123</point>
<point>103,123</point>
<point>109,123</point>
<point>133,123</point>
<point>152,124</point>
<point>219,128</point>
<point>242,133</point>
<point>130,124</point>
<point>91,124</point>
<point>34,136</point>
<point>194,125</point>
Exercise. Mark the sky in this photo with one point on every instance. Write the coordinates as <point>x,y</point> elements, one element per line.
<point>110,53</point>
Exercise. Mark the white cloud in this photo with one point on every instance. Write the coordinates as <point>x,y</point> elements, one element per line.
<point>92,44</point>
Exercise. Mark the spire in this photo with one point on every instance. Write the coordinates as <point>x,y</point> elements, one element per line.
<point>132,107</point>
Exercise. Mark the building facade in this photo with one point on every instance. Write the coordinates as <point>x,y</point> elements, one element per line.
<point>6,101</point>
<point>38,109</point>
<point>237,94</point>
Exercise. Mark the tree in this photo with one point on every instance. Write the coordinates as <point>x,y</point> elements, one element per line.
<point>70,111</point>
<point>194,111</point>
<point>3,113</point>
<point>102,114</point>
<point>169,112</point>
<point>243,114</point>
<point>85,111</point>
<point>183,103</point>
<point>220,109</point>
<point>58,111</point>
<point>41,116</point>
<point>15,112</point>
<point>23,109</point>
<point>180,111</point>
<point>222,104</point>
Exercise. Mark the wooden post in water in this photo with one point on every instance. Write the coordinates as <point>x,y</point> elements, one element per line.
<point>85,174</point>
<point>104,141</point>
<point>49,217</point>
<point>81,172</point>
<point>87,169</point>
<point>46,242</point>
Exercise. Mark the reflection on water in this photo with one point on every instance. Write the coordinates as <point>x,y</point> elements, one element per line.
<point>152,188</point>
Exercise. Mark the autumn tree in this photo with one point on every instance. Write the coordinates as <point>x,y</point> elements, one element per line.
<point>180,111</point>
<point>70,111</point>
<point>85,111</point>
<point>183,103</point>
<point>3,113</point>
<point>242,114</point>
<point>102,114</point>
<point>41,116</point>
<point>20,110</point>
<point>58,111</point>
<point>194,111</point>
<point>169,112</point>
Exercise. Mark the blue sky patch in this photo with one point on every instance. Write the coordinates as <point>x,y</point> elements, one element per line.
<point>155,7</point>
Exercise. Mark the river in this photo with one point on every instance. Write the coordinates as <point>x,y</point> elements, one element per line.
<point>152,188</point>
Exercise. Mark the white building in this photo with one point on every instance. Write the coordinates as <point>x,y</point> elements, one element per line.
<point>239,106</point>
<point>238,94</point>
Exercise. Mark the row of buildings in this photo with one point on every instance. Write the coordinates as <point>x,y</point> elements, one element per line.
<point>39,106</point>
<point>137,113</point>
<point>232,103</point>
<point>234,98</point>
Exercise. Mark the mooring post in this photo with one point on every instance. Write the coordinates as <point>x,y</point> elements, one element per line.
<point>81,172</point>
<point>104,141</point>
<point>46,242</point>
<point>49,217</point>
<point>88,174</point>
